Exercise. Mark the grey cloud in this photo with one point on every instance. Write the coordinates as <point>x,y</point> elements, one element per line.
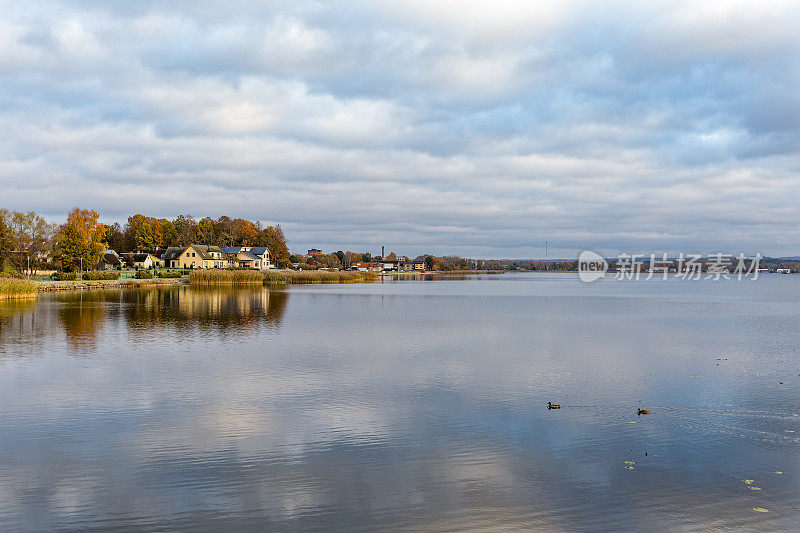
<point>480,128</point>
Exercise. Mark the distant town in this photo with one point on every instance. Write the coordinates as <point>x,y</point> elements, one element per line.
<point>29,244</point>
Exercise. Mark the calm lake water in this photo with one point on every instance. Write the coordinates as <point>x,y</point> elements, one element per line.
<point>416,405</point>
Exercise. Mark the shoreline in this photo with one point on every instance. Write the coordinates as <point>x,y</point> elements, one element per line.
<point>65,286</point>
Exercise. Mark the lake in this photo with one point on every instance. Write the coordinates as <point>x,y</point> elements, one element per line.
<point>418,405</point>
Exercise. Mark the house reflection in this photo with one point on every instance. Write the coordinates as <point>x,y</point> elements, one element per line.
<point>206,308</point>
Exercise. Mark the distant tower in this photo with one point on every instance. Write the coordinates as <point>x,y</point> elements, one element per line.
<point>382,253</point>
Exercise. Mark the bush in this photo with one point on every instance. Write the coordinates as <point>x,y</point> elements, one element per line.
<point>100,275</point>
<point>144,274</point>
<point>170,274</point>
<point>65,276</point>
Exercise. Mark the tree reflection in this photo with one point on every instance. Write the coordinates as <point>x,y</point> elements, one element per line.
<point>82,321</point>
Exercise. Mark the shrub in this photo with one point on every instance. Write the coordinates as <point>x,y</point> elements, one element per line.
<point>170,274</point>
<point>65,276</point>
<point>12,289</point>
<point>99,275</point>
<point>144,274</point>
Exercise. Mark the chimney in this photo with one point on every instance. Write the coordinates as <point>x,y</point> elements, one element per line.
<point>382,254</point>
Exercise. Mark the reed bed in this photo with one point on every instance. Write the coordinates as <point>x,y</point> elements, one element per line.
<point>253,277</point>
<point>465,272</point>
<point>17,289</point>
<point>298,277</point>
<point>226,277</point>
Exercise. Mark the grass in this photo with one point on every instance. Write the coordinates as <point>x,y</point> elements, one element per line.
<point>226,277</point>
<point>17,289</point>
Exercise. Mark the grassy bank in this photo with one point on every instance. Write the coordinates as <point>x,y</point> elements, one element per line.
<point>17,289</point>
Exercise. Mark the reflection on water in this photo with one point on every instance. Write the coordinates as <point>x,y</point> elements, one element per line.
<point>404,405</point>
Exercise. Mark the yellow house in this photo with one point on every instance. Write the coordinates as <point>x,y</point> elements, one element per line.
<point>195,256</point>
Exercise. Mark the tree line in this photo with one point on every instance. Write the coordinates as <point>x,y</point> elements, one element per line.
<point>342,259</point>
<point>28,242</point>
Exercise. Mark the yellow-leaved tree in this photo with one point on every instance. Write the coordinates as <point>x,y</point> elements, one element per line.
<point>79,240</point>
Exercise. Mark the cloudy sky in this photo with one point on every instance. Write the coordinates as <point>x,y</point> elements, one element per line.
<point>477,128</point>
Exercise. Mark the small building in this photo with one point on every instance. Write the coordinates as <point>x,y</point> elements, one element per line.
<point>254,257</point>
<point>109,261</point>
<point>367,267</point>
<point>140,261</point>
<point>158,253</point>
<point>314,251</point>
<point>195,256</point>
<point>390,264</point>
<point>783,270</point>
<point>412,266</point>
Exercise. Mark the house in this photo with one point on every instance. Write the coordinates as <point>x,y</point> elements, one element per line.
<point>412,266</point>
<point>313,251</point>
<point>139,261</point>
<point>254,257</point>
<point>157,252</point>
<point>195,256</point>
<point>390,264</point>
<point>109,261</point>
<point>367,267</point>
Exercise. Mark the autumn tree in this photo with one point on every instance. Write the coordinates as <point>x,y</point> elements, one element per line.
<point>244,232</point>
<point>205,230</point>
<point>115,239</point>
<point>185,229</point>
<point>5,239</point>
<point>28,239</point>
<point>274,239</point>
<point>79,239</point>
<point>143,232</point>
<point>169,235</point>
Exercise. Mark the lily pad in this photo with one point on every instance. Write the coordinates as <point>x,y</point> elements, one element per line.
<point>760,510</point>
<point>748,481</point>
<point>778,472</point>
<point>755,488</point>
<point>629,467</point>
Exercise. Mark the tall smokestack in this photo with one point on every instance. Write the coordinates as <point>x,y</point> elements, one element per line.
<point>382,254</point>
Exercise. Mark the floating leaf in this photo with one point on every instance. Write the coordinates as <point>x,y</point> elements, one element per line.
<point>760,510</point>
<point>789,431</point>
<point>630,463</point>
<point>628,467</point>
<point>748,481</point>
<point>778,472</point>
<point>632,422</point>
<point>755,488</point>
